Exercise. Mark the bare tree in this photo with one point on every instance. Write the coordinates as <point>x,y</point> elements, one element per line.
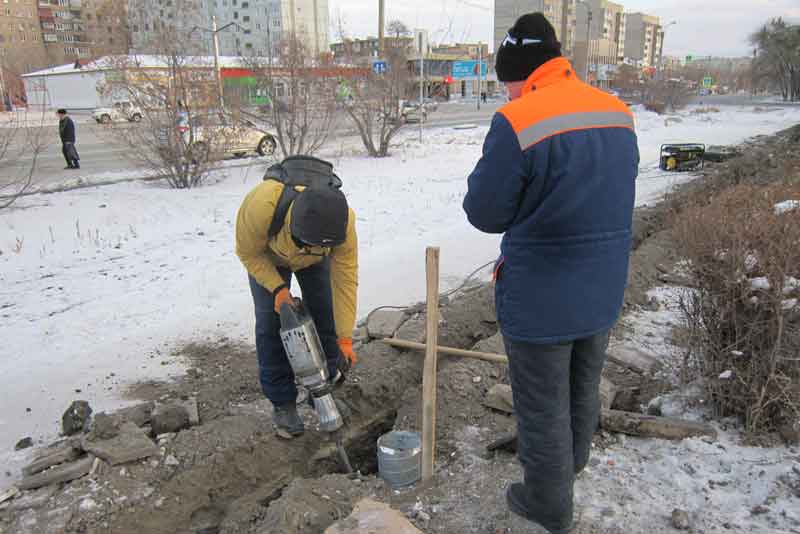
<point>398,28</point>
<point>21,143</point>
<point>182,132</point>
<point>301,91</point>
<point>374,105</point>
<point>777,63</point>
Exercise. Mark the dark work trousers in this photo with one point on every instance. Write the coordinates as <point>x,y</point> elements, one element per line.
<point>275,373</point>
<point>70,155</point>
<point>556,392</point>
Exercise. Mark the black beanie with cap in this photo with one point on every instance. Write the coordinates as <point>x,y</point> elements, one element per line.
<point>516,61</point>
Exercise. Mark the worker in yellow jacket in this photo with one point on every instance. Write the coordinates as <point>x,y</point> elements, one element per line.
<point>317,243</point>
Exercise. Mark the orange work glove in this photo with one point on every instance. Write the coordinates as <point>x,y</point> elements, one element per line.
<point>283,296</point>
<point>346,346</point>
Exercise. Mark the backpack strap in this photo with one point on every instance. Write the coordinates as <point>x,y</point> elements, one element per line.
<point>288,195</point>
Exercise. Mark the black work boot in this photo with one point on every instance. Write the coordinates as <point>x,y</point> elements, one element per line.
<point>287,422</point>
<point>517,500</point>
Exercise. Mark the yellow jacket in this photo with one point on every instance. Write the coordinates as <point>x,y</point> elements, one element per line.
<point>260,257</point>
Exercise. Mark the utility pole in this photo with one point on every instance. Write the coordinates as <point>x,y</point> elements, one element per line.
<point>421,39</point>
<point>588,41</point>
<point>217,69</point>
<point>3,84</point>
<point>480,74</point>
<point>381,25</point>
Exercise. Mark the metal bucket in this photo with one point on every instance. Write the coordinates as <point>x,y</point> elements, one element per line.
<point>400,458</point>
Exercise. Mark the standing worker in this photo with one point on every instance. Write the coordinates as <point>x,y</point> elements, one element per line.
<point>309,231</point>
<point>557,177</point>
<point>66,130</point>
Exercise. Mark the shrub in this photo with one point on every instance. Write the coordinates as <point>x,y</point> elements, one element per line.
<point>744,316</point>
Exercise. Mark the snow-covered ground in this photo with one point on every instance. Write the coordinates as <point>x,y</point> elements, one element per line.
<point>97,284</point>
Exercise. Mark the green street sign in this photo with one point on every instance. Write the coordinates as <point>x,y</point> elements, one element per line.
<point>708,81</point>
<point>689,59</point>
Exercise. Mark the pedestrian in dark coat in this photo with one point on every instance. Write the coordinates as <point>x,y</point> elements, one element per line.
<point>557,178</point>
<point>66,130</point>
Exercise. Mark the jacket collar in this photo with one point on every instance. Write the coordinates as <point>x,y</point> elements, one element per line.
<point>553,71</point>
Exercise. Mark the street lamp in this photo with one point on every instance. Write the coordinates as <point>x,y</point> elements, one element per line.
<point>660,63</point>
<point>588,37</point>
<point>215,39</point>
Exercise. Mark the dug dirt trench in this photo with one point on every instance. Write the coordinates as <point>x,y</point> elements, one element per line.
<point>231,475</point>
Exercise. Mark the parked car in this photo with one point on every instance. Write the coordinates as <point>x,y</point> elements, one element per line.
<point>410,112</point>
<point>121,111</point>
<point>220,134</point>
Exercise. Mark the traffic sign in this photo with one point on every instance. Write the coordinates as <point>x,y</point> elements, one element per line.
<point>708,81</point>
<point>379,67</point>
<point>468,70</point>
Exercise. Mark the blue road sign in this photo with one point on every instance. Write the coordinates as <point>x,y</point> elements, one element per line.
<point>379,67</point>
<point>468,70</point>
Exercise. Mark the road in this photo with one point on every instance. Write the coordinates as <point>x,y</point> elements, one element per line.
<point>102,152</point>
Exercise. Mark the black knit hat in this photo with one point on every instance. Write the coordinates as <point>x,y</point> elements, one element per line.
<point>320,216</point>
<point>530,44</point>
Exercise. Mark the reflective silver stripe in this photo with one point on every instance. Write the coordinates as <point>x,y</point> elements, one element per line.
<point>574,121</point>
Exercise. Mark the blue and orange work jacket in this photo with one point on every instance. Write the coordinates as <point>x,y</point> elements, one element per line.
<point>557,177</point>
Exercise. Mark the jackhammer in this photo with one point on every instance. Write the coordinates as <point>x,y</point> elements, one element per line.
<point>307,359</point>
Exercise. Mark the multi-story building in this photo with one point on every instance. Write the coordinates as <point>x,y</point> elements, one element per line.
<point>261,25</point>
<point>63,31</point>
<point>470,50</point>
<point>169,26</point>
<point>362,51</point>
<point>599,39</point>
<point>560,13</point>
<point>21,47</point>
<point>644,38</point>
<point>107,27</point>
<point>257,27</point>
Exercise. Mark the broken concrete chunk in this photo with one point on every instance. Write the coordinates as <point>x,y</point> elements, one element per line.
<point>499,398</point>
<point>9,494</point>
<point>492,345</point>
<point>413,330</point>
<point>608,392</point>
<point>385,323</point>
<point>371,516</point>
<point>31,500</point>
<point>24,443</point>
<point>190,405</point>
<point>139,414</point>
<point>680,519</point>
<point>65,452</point>
<point>76,419</point>
<point>57,475</point>
<point>633,359</point>
<point>170,418</point>
<point>650,426</point>
<point>103,426</point>
<point>130,445</point>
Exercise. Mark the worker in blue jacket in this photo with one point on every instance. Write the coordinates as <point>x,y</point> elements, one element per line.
<point>557,178</point>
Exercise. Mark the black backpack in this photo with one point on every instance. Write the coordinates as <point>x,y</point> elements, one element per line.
<point>295,171</point>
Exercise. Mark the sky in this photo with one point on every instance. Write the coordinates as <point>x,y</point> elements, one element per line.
<point>702,27</point>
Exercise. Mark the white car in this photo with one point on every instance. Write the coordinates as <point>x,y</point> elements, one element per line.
<point>220,134</point>
<point>121,111</point>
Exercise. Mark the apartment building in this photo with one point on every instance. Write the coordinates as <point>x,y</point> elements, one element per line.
<point>363,51</point>
<point>560,13</point>
<point>644,38</point>
<point>107,28</point>
<point>257,27</point>
<point>63,30</point>
<point>21,42</point>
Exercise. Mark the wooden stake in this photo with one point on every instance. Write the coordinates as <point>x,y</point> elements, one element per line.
<point>489,357</point>
<point>429,368</point>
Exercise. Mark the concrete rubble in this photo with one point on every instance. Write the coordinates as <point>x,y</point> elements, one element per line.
<point>370,516</point>
<point>129,445</point>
